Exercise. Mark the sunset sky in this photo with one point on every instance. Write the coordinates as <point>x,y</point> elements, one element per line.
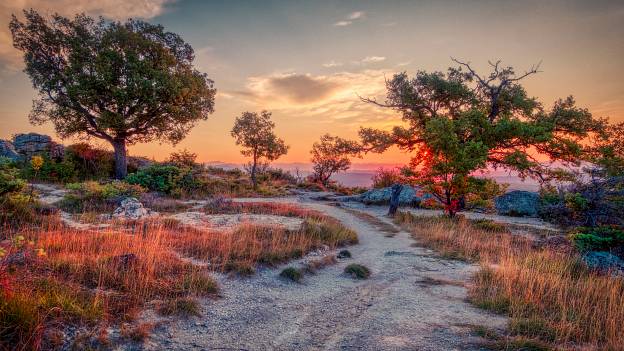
<point>307,61</point>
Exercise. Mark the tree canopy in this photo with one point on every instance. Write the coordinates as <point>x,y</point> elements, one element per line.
<point>255,133</point>
<point>122,82</point>
<point>460,122</point>
<point>331,155</point>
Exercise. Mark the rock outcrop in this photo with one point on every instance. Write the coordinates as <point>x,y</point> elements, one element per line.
<point>8,150</point>
<point>133,209</point>
<point>518,203</point>
<point>409,196</point>
<point>604,261</point>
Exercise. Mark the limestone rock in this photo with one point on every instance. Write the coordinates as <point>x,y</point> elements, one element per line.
<point>8,150</point>
<point>518,203</point>
<point>131,208</point>
<point>604,261</point>
<point>32,143</point>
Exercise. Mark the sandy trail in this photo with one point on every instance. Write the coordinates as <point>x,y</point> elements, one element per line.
<point>414,300</point>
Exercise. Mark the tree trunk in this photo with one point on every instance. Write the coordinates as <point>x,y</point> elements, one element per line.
<point>121,159</point>
<point>253,172</point>
<point>394,199</point>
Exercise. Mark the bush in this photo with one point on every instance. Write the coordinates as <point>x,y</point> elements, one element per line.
<point>292,273</point>
<point>90,162</point>
<point>91,195</point>
<point>603,238</point>
<point>162,178</point>
<point>384,178</point>
<point>10,182</point>
<point>344,254</point>
<point>357,271</point>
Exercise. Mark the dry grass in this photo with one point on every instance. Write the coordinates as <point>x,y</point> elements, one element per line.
<point>388,229</point>
<point>54,276</point>
<point>551,298</point>
<point>58,276</point>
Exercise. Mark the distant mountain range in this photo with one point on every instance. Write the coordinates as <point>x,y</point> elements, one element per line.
<point>360,174</point>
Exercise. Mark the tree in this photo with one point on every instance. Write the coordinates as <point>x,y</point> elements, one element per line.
<point>461,122</point>
<point>254,132</point>
<point>122,82</point>
<point>331,155</point>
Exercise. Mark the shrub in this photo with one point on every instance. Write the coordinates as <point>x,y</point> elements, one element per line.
<point>601,238</point>
<point>183,159</point>
<point>94,196</point>
<point>384,178</point>
<point>344,254</point>
<point>292,273</point>
<point>357,271</point>
<point>10,181</point>
<point>90,162</point>
<point>162,178</point>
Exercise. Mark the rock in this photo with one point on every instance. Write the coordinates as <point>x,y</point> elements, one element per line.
<point>131,208</point>
<point>518,203</point>
<point>8,150</point>
<point>32,143</point>
<point>408,196</point>
<point>604,261</point>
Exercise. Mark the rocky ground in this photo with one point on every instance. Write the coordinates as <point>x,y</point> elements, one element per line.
<point>414,300</point>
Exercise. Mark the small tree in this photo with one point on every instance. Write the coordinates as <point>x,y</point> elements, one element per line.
<point>122,82</point>
<point>331,155</point>
<point>461,122</point>
<point>254,132</point>
<point>183,159</point>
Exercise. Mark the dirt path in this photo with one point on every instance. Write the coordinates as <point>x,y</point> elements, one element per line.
<point>414,300</point>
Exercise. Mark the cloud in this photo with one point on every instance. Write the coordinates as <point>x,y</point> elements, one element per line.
<point>331,64</point>
<point>351,18</point>
<point>373,59</point>
<point>324,98</point>
<point>342,23</point>
<point>356,15</point>
<point>11,59</point>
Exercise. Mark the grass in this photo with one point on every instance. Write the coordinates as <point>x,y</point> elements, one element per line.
<point>88,278</point>
<point>553,300</point>
<point>107,276</point>
<point>184,307</point>
<point>388,229</point>
<point>357,271</point>
<point>313,266</point>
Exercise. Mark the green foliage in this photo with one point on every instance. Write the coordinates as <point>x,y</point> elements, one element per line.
<point>254,132</point>
<point>601,238</point>
<point>95,196</point>
<point>10,182</point>
<point>357,271</point>
<point>460,122</point>
<point>162,178</point>
<point>80,68</point>
<point>330,155</point>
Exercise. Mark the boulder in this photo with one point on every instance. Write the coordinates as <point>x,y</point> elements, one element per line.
<point>408,196</point>
<point>32,143</point>
<point>8,150</point>
<point>604,261</point>
<point>131,208</point>
<point>518,203</point>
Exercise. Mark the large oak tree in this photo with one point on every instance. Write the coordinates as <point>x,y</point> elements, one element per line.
<point>122,82</point>
<point>460,122</point>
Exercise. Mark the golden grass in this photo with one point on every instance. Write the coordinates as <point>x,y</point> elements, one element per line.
<point>95,278</point>
<point>550,297</point>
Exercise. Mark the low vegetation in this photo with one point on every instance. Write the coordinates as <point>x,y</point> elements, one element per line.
<point>357,271</point>
<point>551,297</point>
<point>292,273</point>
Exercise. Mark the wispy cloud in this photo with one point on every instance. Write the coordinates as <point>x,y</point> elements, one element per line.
<point>351,18</point>
<point>373,59</point>
<point>356,15</point>
<point>10,58</point>
<point>332,64</point>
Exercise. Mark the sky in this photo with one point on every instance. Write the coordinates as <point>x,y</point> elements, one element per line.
<point>308,61</point>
